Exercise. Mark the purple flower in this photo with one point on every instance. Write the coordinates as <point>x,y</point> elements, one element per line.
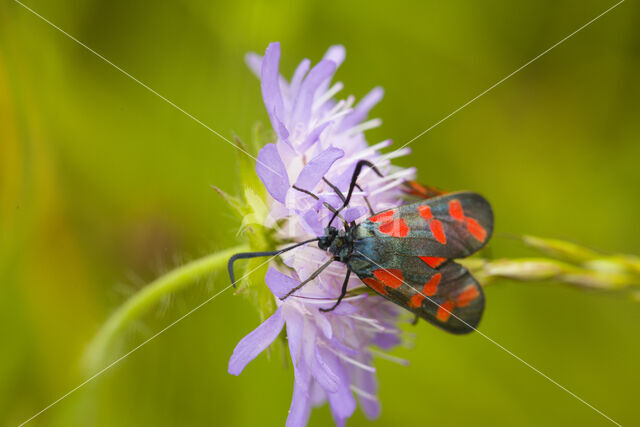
<point>319,137</point>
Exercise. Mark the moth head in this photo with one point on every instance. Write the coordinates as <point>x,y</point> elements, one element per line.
<point>325,241</point>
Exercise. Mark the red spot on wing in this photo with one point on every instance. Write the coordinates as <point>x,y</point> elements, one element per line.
<point>476,229</point>
<point>455,210</point>
<point>396,228</point>
<point>383,217</point>
<point>374,284</point>
<point>457,213</point>
<point>438,231</point>
<point>431,286</point>
<point>469,293</point>
<point>433,261</point>
<point>425,212</point>
<point>416,301</point>
<point>444,311</point>
<point>391,277</point>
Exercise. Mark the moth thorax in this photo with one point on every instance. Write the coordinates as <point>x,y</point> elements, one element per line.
<point>341,247</point>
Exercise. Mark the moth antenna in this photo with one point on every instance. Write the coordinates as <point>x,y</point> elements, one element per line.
<point>354,179</point>
<point>335,188</point>
<point>246,255</point>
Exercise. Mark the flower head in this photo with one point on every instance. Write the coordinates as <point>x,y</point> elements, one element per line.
<point>319,142</point>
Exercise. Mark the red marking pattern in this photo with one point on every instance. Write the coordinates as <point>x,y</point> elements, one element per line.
<point>457,213</point>
<point>444,311</point>
<point>469,293</point>
<point>383,217</point>
<point>391,277</point>
<point>433,261</point>
<point>431,286</point>
<point>455,210</point>
<point>425,212</point>
<point>418,189</point>
<point>434,224</point>
<point>438,231</point>
<point>422,191</point>
<point>476,229</point>
<point>416,301</point>
<point>374,284</point>
<point>396,228</point>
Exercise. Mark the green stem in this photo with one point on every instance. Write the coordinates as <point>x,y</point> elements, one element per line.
<point>148,297</point>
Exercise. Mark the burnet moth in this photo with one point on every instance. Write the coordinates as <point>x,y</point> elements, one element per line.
<point>406,254</point>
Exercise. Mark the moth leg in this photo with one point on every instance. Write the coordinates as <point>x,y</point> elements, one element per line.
<point>335,189</point>
<point>339,193</point>
<point>415,321</point>
<point>308,279</point>
<point>302,190</point>
<point>366,200</point>
<point>343,292</point>
<point>354,179</point>
<point>326,205</point>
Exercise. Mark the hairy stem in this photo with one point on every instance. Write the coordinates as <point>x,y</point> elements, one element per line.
<point>150,296</point>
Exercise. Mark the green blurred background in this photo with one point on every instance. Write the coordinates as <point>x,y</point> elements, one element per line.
<point>103,187</point>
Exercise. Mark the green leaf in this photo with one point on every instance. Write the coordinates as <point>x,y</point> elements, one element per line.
<point>236,203</point>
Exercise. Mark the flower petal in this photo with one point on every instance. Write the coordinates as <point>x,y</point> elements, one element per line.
<point>302,107</point>
<point>313,171</point>
<point>332,199</point>
<point>319,369</point>
<point>279,284</point>
<point>362,109</point>
<point>344,309</point>
<point>386,341</point>
<point>323,323</point>
<point>366,382</point>
<point>281,129</point>
<point>300,408</point>
<point>254,343</point>
<point>270,83</point>
<point>343,348</point>
<point>342,401</point>
<point>317,394</point>
<point>312,137</point>
<point>295,328</point>
<point>297,78</point>
<point>311,223</point>
<point>335,53</point>
<point>272,172</point>
<point>254,62</point>
<point>354,213</point>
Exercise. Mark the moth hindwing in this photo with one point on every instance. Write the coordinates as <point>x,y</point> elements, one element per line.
<point>405,254</point>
